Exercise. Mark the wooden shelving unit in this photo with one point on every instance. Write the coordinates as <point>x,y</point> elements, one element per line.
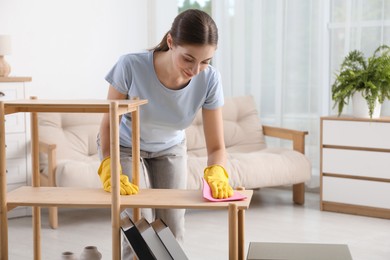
<point>37,196</point>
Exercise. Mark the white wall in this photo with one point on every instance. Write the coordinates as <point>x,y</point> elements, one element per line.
<point>161,15</point>
<point>67,47</point>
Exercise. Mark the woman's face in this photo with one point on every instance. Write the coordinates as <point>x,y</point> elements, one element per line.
<point>190,60</point>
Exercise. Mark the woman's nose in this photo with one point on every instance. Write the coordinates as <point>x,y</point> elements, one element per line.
<point>195,69</point>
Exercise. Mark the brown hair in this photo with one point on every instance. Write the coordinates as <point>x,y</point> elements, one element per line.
<point>191,27</point>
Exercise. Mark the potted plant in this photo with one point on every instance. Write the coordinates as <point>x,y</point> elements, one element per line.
<point>369,78</point>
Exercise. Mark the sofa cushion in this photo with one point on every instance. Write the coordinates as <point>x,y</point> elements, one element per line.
<point>75,137</point>
<point>250,163</point>
<point>268,167</point>
<point>242,128</point>
<point>73,133</point>
<point>76,173</point>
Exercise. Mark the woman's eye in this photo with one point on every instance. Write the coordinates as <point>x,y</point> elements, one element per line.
<point>188,60</point>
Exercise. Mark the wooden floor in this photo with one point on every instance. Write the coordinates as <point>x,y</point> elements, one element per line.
<point>271,218</point>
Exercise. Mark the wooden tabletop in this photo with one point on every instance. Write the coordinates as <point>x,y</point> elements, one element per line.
<point>97,198</point>
<point>85,106</point>
<point>352,118</point>
<point>15,79</point>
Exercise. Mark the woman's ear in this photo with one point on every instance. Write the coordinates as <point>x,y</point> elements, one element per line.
<point>169,41</point>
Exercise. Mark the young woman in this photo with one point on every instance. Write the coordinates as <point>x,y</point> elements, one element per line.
<point>177,80</point>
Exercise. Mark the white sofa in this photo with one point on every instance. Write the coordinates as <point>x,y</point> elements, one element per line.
<point>69,152</point>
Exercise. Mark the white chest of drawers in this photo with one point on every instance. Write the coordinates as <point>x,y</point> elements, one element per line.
<point>355,166</point>
<point>18,169</point>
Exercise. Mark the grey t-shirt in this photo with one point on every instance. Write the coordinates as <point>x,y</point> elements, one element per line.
<point>168,112</point>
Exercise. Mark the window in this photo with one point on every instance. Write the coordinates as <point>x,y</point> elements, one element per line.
<point>204,5</point>
<point>356,24</point>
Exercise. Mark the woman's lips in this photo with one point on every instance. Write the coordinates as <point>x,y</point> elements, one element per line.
<point>188,74</point>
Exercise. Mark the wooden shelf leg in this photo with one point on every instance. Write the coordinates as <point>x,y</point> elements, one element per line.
<point>233,232</point>
<point>3,189</point>
<point>36,219</point>
<point>241,234</point>
<point>115,182</point>
<point>36,214</point>
<point>241,231</point>
<point>135,129</point>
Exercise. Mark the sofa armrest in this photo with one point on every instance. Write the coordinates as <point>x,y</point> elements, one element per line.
<point>296,136</point>
<point>50,150</point>
<point>298,139</point>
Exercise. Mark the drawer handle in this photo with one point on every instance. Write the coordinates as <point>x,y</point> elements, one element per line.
<point>2,94</point>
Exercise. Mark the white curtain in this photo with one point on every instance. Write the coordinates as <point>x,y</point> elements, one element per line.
<point>286,52</point>
<point>277,51</point>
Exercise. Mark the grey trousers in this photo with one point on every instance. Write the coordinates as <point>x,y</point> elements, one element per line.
<point>161,170</point>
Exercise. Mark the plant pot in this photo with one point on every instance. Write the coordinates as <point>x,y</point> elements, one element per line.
<point>90,253</point>
<point>360,107</point>
<point>68,256</point>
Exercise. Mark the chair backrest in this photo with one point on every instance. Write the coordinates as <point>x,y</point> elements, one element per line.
<point>242,127</point>
<point>73,133</point>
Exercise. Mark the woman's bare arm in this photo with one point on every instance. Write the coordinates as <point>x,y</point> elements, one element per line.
<point>213,131</point>
<point>105,124</point>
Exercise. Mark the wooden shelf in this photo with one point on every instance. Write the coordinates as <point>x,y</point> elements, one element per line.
<point>68,106</point>
<point>97,198</point>
<point>114,108</point>
<point>15,79</point>
<point>37,197</point>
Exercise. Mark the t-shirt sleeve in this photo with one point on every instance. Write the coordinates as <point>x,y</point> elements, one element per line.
<point>214,97</point>
<point>120,76</point>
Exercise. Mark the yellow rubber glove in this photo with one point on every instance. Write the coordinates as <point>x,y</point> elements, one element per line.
<point>126,187</point>
<point>218,180</point>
